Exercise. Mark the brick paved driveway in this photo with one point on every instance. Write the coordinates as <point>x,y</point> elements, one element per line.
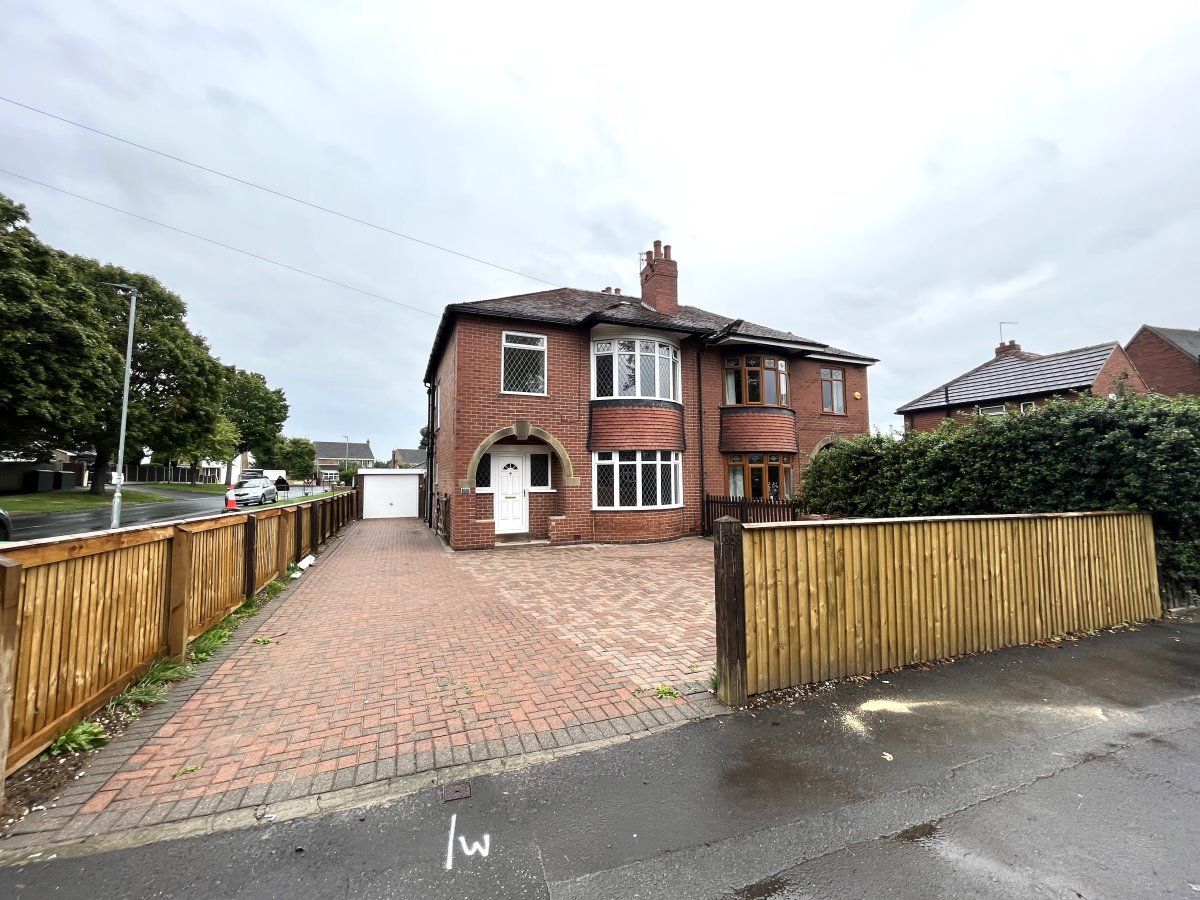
<point>395,655</point>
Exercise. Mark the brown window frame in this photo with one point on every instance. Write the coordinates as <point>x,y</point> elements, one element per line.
<point>834,381</point>
<point>746,463</point>
<point>778,365</point>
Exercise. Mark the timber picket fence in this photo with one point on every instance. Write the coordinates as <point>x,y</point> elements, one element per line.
<point>804,602</point>
<point>84,616</point>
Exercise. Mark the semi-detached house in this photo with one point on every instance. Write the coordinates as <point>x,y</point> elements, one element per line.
<point>575,416</point>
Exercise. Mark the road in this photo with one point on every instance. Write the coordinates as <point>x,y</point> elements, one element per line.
<point>183,504</point>
<point>1033,772</point>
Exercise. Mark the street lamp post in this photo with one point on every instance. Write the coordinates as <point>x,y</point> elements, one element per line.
<point>122,290</point>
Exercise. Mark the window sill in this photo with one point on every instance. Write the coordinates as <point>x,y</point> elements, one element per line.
<point>622,509</point>
<point>542,490</point>
<point>829,412</point>
<point>757,406</point>
<point>522,394</point>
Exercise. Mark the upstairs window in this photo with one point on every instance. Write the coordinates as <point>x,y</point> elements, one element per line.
<point>755,380</point>
<point>523,364</point>
<point>635,367</point>
<point>833,391</point>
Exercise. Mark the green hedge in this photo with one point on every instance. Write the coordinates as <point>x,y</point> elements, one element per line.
<point>1132,452</point>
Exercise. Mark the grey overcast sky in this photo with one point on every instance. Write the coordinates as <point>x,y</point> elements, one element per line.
<point>892,178</point>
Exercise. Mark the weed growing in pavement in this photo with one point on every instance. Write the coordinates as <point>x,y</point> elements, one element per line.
<point>148,689</point>
<point>215,638</point>
<point>262,641</point>
<point>186,770</point>
<point>666,692</point>
<point>81,736</point>
<point>714,681</point>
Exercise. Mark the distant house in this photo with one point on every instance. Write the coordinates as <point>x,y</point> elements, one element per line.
<point>330,455</point>
<point>408,459</point>
<point>1167,358</point>
<point>1017,379</point>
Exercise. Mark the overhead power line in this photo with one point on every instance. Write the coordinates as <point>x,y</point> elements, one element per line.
<point>273,192</point>
<point>217,243</point>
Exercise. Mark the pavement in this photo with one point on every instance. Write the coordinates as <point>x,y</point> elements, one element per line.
<point>395,656</point>
<point>183,505</point>
<point>1032,772</point>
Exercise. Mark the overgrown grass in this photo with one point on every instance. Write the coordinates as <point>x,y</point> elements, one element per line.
<point>203,647</point>
<point>148,690</point>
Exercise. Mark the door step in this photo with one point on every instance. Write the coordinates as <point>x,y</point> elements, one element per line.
<point>519,540</point>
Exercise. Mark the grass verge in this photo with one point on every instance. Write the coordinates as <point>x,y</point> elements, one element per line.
<point>71,501</point>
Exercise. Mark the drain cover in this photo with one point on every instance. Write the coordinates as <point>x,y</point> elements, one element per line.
<point>456,790</point>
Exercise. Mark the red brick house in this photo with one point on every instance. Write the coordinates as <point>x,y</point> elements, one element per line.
<point>569,416</point>
<point>1017,379</point>
<point>1167,358</point>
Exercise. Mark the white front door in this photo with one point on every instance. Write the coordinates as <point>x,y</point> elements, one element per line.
<point>512,503</point>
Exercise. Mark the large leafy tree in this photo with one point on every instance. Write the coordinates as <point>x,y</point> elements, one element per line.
<point>175,383</point>
<point>52,352</point>
<point>257,410</point>
<point>295,455</point>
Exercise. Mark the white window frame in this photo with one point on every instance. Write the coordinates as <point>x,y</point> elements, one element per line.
<point>1028,406</point>
<point>545,351</point>
<point>527,452</point>
<point>675,463</point>
<point>639,393</point>
<point>994,410</point>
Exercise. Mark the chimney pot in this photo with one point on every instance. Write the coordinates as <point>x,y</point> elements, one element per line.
<point>667,251</point>
<point>658,249</point>
<point>607,290</point>
<point>1007,347</point>
<point>617,291</point>
<point>660,280</point>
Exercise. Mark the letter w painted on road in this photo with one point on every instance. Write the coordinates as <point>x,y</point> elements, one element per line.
<point>480,847</point>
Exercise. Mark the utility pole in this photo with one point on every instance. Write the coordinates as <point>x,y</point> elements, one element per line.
<point>122,290</point>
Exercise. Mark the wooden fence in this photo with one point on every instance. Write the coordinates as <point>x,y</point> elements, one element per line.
<point>84,616</point>
<point>744,509</point>
<point>805,602</point>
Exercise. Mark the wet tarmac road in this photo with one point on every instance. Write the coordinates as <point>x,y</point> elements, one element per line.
<point>183,505</point>
<point>1024,773</point>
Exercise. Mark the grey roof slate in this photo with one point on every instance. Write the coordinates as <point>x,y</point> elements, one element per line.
<point>414,458</point>
<point>1018,375</point>
<point>571,306</point>
<point>1185,339</point>
<point>339,450</point>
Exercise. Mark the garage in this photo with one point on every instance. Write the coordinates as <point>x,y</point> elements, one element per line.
<point>390,493</point>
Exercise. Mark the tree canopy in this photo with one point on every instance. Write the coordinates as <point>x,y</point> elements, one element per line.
<point>63,356</point>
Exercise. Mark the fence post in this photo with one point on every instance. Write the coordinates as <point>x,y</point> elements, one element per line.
<point>731,611</point>
<point>250,542</point>
<point>314,526</point>
<point>298,529</point>
<point>10,597</point>
<point>179,610</point>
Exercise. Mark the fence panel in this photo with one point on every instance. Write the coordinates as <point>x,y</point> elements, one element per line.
<point>832,599</point>
<point>746,510</point>
<point>266,548</point>
<point>218,571</point>
<point>90,618</point>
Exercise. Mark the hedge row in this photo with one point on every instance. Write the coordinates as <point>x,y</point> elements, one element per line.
<point>1089,453</point>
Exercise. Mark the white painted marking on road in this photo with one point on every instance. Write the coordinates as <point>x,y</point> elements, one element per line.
<point>481,847</point>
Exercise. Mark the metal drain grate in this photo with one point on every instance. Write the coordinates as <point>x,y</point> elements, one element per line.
<point>456,790</point>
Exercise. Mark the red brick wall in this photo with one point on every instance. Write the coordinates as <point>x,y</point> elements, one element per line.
<point>1118,369</point>
<point>1163,366</point>
<point>637,427</point>
<point>752,429</point>
<point>473,407</point>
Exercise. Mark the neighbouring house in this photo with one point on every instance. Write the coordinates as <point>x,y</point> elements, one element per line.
<point>331,454</point>
<point>1168,359</point>
<point>1017,379</point>
<point>569,415</point>
<point>408,459</point>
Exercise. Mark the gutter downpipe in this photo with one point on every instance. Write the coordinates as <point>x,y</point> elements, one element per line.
<point>700,403</point>
<point>430,487</point>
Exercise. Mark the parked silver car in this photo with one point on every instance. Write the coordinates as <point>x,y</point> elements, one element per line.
<point>254,492</point>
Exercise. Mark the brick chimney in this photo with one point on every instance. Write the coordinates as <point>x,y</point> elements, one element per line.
<point>660,280</point>
<point>1007,348</point>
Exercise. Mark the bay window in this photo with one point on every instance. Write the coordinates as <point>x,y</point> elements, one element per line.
<point>756,380</point>
<point>635,367</point>
<point>759,476</point>
<point>637,479</point>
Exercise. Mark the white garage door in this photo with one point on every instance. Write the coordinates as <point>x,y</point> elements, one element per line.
<point>389,496</point>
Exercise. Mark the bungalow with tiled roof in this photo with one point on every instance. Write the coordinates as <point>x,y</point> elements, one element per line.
<point>569,415</point>
<point>1017,379</point>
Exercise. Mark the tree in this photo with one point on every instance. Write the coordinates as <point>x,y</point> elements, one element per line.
<point>256,410</point>
<point>424,444</point>
<point>220,443</point>
<point>175,383</point>
<point>347,469</point>
<point>295,455</point>
<point>51,344</point>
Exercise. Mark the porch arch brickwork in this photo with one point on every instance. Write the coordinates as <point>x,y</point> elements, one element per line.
<point>522,430</point>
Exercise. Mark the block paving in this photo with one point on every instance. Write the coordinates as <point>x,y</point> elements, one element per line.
<point>395,655</point>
